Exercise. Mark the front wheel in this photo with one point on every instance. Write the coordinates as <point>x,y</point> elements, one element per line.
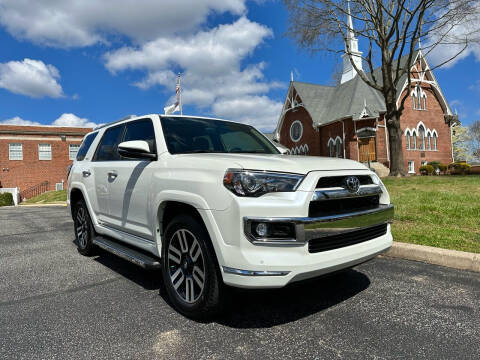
<point>189,269</point>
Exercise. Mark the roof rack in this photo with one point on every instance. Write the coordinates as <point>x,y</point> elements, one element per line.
<point>114,122</point>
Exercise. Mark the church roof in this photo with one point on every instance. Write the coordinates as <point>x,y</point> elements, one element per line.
<point>353,98</point>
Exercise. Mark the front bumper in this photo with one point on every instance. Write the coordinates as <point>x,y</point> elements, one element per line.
<point>289,260</point>
<point>314,228</point>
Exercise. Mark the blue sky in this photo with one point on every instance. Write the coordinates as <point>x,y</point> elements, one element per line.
<point>86,62</point>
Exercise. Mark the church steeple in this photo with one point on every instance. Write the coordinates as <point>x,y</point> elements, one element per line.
<point>351,46</point>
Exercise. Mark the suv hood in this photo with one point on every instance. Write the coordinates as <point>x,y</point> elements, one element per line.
<point>281,163</point>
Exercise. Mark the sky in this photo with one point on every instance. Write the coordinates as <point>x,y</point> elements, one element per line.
<point>88,62</point>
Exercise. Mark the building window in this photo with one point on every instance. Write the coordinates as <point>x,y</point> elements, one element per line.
<point>419,98</point>
<point>331,148</point>
<point>429,142</point>
<point>407,138</point>
<point>44,152</point>
<point>411,167</point>
<point>72,151</point>
<point>421,135</point>
<point>434,141</point>
<point>296,131</point>
<point>414,140</point>
<point>338,146</point>
<point>15,151</point>
<point>424,162</point>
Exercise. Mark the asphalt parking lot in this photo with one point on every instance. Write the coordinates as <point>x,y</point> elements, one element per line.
<point>57,304</point>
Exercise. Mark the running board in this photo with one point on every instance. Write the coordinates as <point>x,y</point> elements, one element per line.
<point>138,258</point>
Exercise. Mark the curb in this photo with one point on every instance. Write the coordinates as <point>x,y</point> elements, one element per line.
<point>450,258</point>
<point>42,205</point>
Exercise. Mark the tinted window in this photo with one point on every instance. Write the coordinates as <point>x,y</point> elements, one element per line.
<point>107,149</point>
<point>141,130</point>
<point>87,142</point>
<point>192,135</point>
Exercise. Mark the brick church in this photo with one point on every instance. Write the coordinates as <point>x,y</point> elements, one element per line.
<point>347,120</point>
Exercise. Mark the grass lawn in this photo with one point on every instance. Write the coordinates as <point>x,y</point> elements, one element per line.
<point>48,197</point>
<point>441,211</point>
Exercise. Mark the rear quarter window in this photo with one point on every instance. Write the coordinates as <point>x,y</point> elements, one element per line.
<point>86,143</point>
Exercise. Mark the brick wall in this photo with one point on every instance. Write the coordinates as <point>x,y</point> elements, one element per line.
<point>31,171</point>
<point>432,118</point>
<point>309,136</point>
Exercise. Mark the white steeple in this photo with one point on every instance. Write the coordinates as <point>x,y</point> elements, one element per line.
<point>351,46</point>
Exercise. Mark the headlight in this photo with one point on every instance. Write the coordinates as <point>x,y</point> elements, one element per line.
<point>385,197</point>
<point>256,183</point>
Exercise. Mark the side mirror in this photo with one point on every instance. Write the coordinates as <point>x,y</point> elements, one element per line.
<point>136,149</point>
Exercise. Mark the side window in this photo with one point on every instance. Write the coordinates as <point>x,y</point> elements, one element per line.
<point>87,142</point>
<point>107,149</point>
<point>141,130</point>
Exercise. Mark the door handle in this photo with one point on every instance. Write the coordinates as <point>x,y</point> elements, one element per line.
<point>113,174</point>
<point>86,173</point>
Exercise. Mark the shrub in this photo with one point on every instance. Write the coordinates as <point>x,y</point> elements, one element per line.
<point>461,168</point>
<point>437,165</point>
<point>6,199</point>
<point>426,169</point>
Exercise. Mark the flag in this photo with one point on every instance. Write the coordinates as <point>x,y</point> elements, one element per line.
<point>176,106</point>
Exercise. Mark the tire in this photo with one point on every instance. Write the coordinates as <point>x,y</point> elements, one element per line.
<point>189,269</point>
<point>84,232</point>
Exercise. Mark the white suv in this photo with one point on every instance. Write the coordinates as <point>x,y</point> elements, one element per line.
<point>213,202</point>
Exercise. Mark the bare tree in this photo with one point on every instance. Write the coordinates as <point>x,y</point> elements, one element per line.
<point>474,132</point>
<point>392,29</point>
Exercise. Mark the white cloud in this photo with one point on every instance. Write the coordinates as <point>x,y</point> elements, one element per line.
<point>451,42</point>
<point>212,74</point>
<point>86,22</point>
<point>30,77</point>
<point>67,119</point>
<point>18,121</point>
<point>475,86</point>
<point>260,111</point>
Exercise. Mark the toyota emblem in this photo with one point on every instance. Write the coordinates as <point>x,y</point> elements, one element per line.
<point>352,184</point>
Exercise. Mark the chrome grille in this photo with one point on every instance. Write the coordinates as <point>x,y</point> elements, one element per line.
<point>339,181</point>
<point>346,239</point>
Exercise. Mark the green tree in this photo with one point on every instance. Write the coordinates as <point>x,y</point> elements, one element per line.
<point>461,143</point>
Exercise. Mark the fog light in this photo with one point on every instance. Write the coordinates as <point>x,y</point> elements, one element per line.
<point>261,229</point>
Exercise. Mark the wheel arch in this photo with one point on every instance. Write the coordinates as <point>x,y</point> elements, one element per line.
<point>168,209</point>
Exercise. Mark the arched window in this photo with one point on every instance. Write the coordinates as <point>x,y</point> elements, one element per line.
<point>407,139</point>
<point>429,140</point>
<point>338,145</point>
<point>331,147</point>
<point>421,135</point>
<point>419,97</point>
<point>434,140</point>
<point>413,143</point>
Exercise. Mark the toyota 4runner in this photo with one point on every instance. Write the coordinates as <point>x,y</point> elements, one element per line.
<point>214,203</point>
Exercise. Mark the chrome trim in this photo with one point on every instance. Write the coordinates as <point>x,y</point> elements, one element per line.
<point>124,233</point>
<point>234,271</point>
<point>313,228</point>
<point>342,193</point>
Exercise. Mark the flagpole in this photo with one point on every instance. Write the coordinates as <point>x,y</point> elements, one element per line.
<point>180,98</point>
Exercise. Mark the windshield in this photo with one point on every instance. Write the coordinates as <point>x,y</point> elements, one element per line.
<point>190,135</point>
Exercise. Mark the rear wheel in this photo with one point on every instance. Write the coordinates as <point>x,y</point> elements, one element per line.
<point>189,269</point>
<point>84,232</point>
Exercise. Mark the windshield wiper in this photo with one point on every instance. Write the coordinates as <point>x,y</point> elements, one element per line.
<point>248,152</point>
<point>200,152</point>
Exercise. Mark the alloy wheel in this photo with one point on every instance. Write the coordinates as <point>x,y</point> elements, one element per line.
<point>82,227</point>
<point>186,265</point>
